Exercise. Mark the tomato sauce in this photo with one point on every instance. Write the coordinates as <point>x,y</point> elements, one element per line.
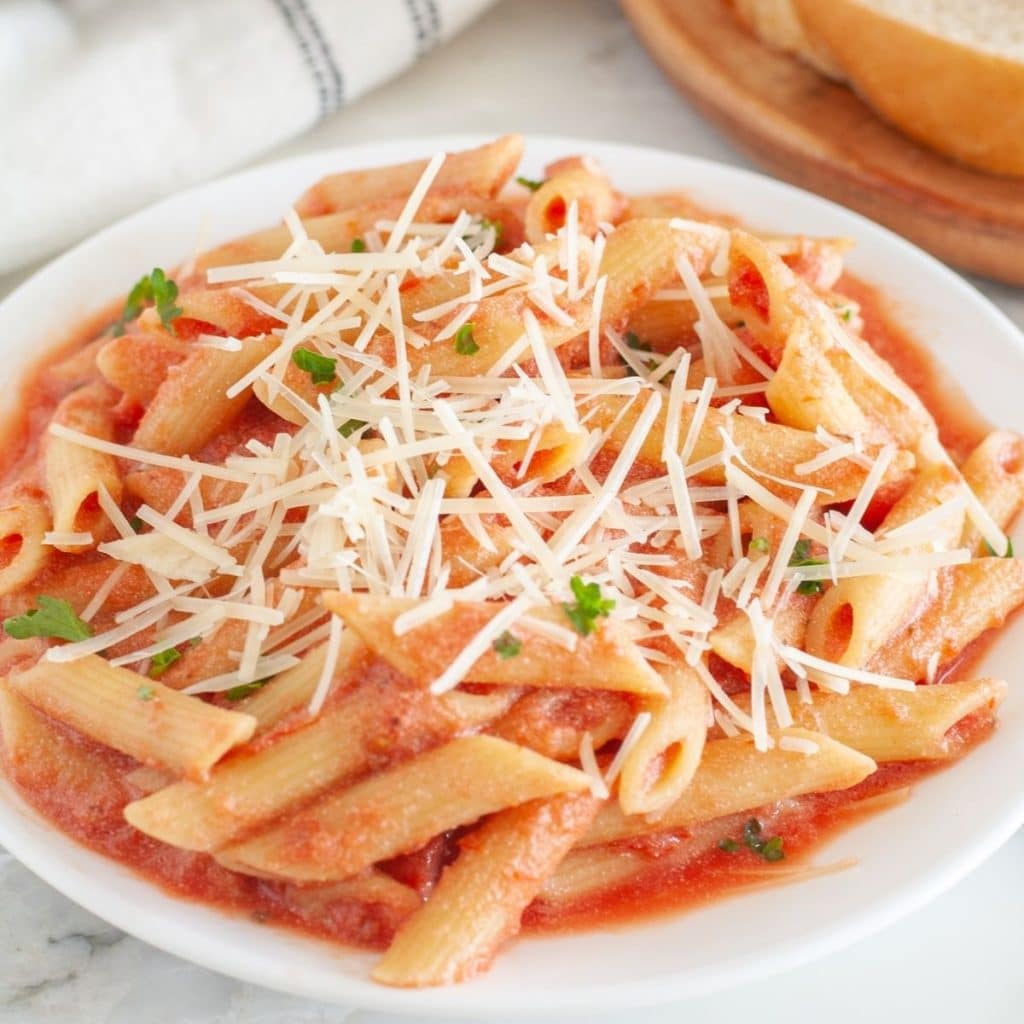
<point>84,789</point>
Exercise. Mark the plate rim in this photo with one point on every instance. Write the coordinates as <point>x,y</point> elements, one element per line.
<point>17,819</point>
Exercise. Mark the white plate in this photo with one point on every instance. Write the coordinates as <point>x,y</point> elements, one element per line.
<point>906,856</point>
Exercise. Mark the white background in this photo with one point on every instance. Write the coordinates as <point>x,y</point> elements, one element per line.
<point>568,67</point>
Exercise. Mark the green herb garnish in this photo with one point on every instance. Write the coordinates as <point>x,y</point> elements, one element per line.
<point>759,545</point>
<point>633,341</point>
<point>349,427</point>
<point>847,314</point>
<point>753,839</point>
<point>320,369</point>
<point>531,183</point>
<point>358,245</point>
<point>589,605</point>
<point>728,845</point>
<point>810,587</point>
<point>802,556</point>
<point>465,343</point>
<point>161,662</point>
<point>507,645</point>
<point>801,553</point>
<point>136,524</point>
<point>54,617</point>
<point>145,692</point>
<point>156,288</point>
<point>243,690</point>
<point>1009,549</point>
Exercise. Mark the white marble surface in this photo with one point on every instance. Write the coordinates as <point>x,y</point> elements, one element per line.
<point>566,67</point>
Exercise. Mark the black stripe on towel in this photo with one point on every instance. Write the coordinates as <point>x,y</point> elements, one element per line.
<point>426,24</point>
<point>316,54</point>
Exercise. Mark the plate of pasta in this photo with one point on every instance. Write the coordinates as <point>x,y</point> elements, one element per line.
<point>523,578</point>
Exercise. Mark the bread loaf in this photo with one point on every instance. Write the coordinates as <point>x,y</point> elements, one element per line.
<point>949,73</point>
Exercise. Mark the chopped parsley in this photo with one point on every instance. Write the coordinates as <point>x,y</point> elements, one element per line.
<point>802,556</point>
<point>847,314</point>
<point>243,690</point>
<point>154,288</point>
<point>320,368</point>
<point>161,662</point>
<point>588,607</point>
<point>465,343</point>
<point>728,845</point>
<point>531,183</point>
<point>145,692</point>
<point>136,524</point>
<point>358,245</point>
<point>1009,549</point>
<point>801,553</point>
<point>195,641</point>
<point>349,427</point>
<point>754,840</point>
<point>507,645</point>
<point>633,341</point>
<point>759,545</point>
<point>54,617</point>
<point>810,587</point>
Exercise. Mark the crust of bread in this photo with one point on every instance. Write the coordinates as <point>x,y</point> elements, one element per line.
<point>776,23</point>
<point>958,100</point>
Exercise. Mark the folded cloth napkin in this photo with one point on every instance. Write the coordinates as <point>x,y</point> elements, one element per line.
<point>105,105</point>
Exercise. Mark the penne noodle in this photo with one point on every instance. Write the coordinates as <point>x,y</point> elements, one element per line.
<point>75,476</point>
<point>171,423</point>
<point>553,722</point>
<point>663,761</point>
<point>994,471</point>
<point>858,616</point>
<point>481,171</point>
<point>139,717</point>
<point>255,787</point>
<point>734,776</point>
<point>138,363</point>
<point>400,810</point>
<point>969,599</point>
<point>769,448</point>
<point>24,520</point>
<point>478,903</point>
<point>605,660</point>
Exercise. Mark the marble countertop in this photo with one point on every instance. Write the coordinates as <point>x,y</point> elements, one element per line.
<point>957,959</point>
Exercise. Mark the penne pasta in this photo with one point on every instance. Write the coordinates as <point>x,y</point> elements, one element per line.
<point>75,476</point>
<point>171,424</point>
<point>968,600</point>
<point>734,776</point>
<point>769,449</point>
<point>889,726</point>
<point>257,786</point>
<point>607,660</point>
<point>24,521</point>
<point>400,810</point>
<point>139,717</point>
<point>662,762</point>
<point>481,171</point>
<point>480,898</point>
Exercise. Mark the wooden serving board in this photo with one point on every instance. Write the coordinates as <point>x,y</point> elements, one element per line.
<point>820,135</point>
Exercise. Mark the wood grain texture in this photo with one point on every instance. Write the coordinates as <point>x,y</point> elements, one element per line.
<point>821,136</point>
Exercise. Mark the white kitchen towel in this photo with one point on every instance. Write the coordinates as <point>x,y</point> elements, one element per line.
<point>106,105</point>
